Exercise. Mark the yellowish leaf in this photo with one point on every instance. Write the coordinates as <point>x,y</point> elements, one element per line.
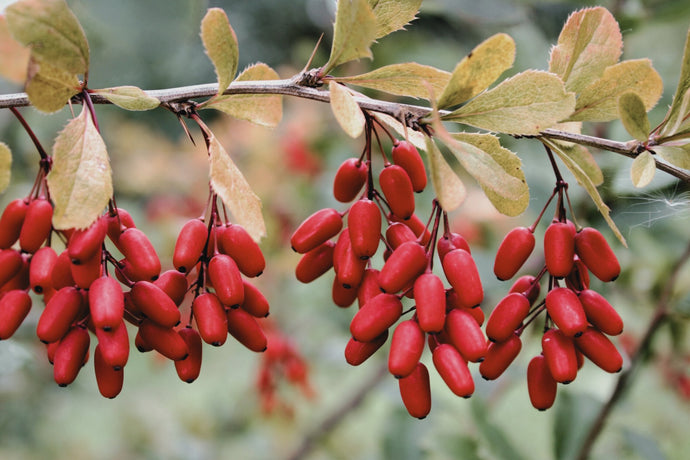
<point>129,98</point>
<point>409,79</point>
<point>476,71</point>
<point>14,58</point>
<point>392,15</point>
<point>680,107</point>
<point>229,184</point>
<point>449,189</point>
<point>346,110</point>
<point>642,169</point>
<point>633,115</point>
<point>676,156</point>
<point>50,88</point>
<point>354,31</point>
<point>80,178</point>
<point>220,43</point>
<point>5,166</point>
<point>582,157</point>
<point>417,138</point>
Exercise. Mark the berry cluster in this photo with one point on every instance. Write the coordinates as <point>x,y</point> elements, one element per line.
<point>444,318</point>
<point>578,319</point>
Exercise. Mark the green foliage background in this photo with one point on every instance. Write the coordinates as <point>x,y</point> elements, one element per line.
<point>162,180</point>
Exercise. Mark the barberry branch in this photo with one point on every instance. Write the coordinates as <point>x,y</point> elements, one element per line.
<point>661,314</point>
<point>302,87</point>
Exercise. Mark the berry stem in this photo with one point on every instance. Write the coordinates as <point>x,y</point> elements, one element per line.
<point>45,159</point>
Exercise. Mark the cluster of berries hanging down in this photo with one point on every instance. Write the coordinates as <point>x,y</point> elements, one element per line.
<point>86,288</point>
<point>447,320</point>
<point>578,320</point>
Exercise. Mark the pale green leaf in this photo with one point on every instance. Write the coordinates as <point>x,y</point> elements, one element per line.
<point>50,88</point>
<point>14,57</point>
<point>261,109</point>
<point>679,125</point>
<point>221,46</point>
<point>676,156</point>
<point>409,79</point>
<point>129,98</point>
<point>581,156</point>
<point>583,179</point>
<point>450,191</point>
<point>525,104</point>
<point>417,138</point>
<point>354,31</point>
<point>633,114</point>
<point>510,163</point>
<point>5,166</point>
<point>599,101</point>
<point>80,178</point>
<point>642,169</point>
<point>229,184</point>
<point>476,71</point>
<point>346,110</point>
<point>392,15</point>
<point>680,107</point>
<point>52,31</point>
<point>589,42</point>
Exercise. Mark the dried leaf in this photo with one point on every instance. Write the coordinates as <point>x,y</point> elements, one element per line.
<point>409,79</point>
<point>129,98</point>
<point>449,189</point>
<point>354,31</point>
<point>642,169</point>
<point>220,43</point>
<point>392,15</point>
<point>346,110</point>
<point>680,107</point>
<point>480,68</point>
<point>80,178</point>
<point>50,88</point>
<point>417,138</point>
<point>14,57</point>
<point>261,109</point>
<point>599,101</point>
<point>52,32</point>
<point>229,183</point>
<point>525,104</point>
<point>634,116</point>
<point>5,166</point>
<point>676,156</point>
<point>589,42</point>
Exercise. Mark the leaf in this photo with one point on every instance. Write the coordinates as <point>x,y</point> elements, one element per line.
<point>495,438</point>
<point>450,191</point>
<point>228,182</point>
<point>525,104</point>
<point>642,169</point>
<point>589,42</point>
<point>680,107</point>
<point>586,183</point>
<point>574,416</point>
<point>510,164</point>
<point>261,109</point>
<point>392,15</point>
<point>632,113</point>
<point>499,184</point>
<point>80,178</point>
<point>5,166</point>
<point>220,43</point>
<point>14,57</point>
<point>129,98</point>
<point>480,68</point>
<point>346,110</point>
<point>52,32</point>
<point>417,138</point>
<point>410,79</point>
<point>584,159</point>
<point>354,31</point>
<point>599,101</point>
<point>680,124</point>
<point>50,88</point>
<point>677,156</point>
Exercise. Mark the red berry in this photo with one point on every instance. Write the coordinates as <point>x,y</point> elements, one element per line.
<point>416,225</point>
<point>398,233</point>
<point>189,368</point>
<point>155,304</point>
<point>498,357</point>
<point>397,188</point>
<point>600,350</point>
<point>139,252</point>
<point>210,319</point>
<point>348,267</point>
<point>566,311</point>
<point>369,287</point>
<point>358,352</point>
<point>59,314</point>
<point>559,352</point>
<point>364,222</point>
<point>41,269</point>
<point>11,263</point>
<point>106,303</point>
<point>173,283</point>
<point>527,286</point>
<point>466,335</point>
<point>407,262</point>
<point>316,229</point>
<point>343,296</point>
<point>415,391</point>
<point>449,242</point>
<point>540,384</point>
<point>117,224</point>
<point>114,345</point>
<point>559,249</point>
<point>236,242</point>
<point>405,155</point>
<point>463,276</point>
<point>226,279</point>
<point>70,355</point>
<point>85,273</point>
<point>595,252</point>
<point>507,316</point>
<point>430,298</point>
<point>37,225</point>
<point>62,271</point>
<point>108,379</point>
<point>190,244</point>
<point>165,340</point>
<point>11,222</point>
<point>452,368</point>
<point>375,316</point>
<point>83,244</point>
<point>349,179</point>
<point>14,306</point>
<point>578,278</point>
<point>600,313</point>
<point>514,250</point>
<point>255,302</point>
<point>407,346</point>
<point>315,263</point>
<point>246,330</point>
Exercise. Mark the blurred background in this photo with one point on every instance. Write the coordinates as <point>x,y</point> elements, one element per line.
<point>349,412</point>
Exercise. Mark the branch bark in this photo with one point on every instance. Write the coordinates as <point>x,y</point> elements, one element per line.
<point>409,114</point>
